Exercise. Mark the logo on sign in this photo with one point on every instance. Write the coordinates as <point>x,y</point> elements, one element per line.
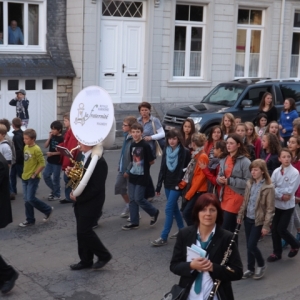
<point>82,116</point>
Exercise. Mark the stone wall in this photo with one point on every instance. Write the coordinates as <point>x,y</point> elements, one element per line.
<point>64,96</point>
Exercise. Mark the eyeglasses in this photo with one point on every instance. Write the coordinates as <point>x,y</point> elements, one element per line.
<point>125,125</point>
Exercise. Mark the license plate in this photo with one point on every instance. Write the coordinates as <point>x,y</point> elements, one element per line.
<point>169,127</point>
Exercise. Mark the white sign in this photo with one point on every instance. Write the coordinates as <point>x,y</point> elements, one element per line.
<point>92,115</point>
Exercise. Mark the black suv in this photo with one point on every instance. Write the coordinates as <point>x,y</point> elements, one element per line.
<point>241,97</point>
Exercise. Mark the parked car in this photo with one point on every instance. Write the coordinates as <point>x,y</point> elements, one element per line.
<point>241,97</point>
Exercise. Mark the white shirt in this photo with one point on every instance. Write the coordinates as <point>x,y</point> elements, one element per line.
<point>86,156</point>
<point>287,183</point>
<point>207,282</point>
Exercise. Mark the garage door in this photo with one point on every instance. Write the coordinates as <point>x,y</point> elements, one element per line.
<point>41,94</point>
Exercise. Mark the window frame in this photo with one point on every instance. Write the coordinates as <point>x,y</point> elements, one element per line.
<point>42,23</point>
<point>294,30</point>
<point>189,25</point>
<point>249,28</point>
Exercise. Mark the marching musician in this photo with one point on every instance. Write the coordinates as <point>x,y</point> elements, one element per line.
<point>208,235</point>
<point>87,208</point>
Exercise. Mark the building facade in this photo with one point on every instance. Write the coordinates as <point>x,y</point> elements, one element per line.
<point>167,51</point>
<point>34,56</point>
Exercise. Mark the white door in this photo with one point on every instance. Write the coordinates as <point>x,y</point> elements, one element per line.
<point>122,59</point>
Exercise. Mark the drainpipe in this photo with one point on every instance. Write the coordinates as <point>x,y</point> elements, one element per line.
<point>280,39</point>
<point>82,43</point>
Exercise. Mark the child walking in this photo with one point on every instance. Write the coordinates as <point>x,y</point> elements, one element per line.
<point>138,172</point>
<point>257,212</point>
<point>52,171</point>
<point>214,136</point>
<point>174,160</point>
<point>286,181</point>
<point>253,138</point>
<point>34,163</point>
<point>187,130</point>
<point>227,124</point>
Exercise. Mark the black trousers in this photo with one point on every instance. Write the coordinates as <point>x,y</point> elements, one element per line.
<point>89,243</point>
<point>6,271</point>
<point>229,223</point>
<point>280,224</point>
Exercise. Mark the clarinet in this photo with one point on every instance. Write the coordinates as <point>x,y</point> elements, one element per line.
<point>224,262</point>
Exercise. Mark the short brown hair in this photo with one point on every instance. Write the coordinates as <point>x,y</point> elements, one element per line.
<point>145,104</point>
<point>203,201</point>
<point>137,126</point>
<point>3,129</point>
<point>6,123</point>
<point>17,122</point>
<point>199,139</point>
<point>67,116</point>
<point>30,133</point>
<point>130,120</point>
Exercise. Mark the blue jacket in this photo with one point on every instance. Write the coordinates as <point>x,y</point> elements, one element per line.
<point>286,121</point>
<point>15,37</point>
<point>125,160</point>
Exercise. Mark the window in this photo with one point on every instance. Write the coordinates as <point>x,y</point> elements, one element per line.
<point>256,94</point>
<point>129,9</point>
<point>29,85</point>
<point>291,91</point>
<point>248,43</point>
<point>22,25</point>
<point>13,85</point>
<point>188,42</point>
<point>47,84</point>
<point>295,66</point>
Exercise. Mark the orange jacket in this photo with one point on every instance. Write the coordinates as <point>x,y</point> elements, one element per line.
<point>199,182</point>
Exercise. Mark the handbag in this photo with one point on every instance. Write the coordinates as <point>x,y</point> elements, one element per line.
<point>158,150</point>
<point>176,293</point>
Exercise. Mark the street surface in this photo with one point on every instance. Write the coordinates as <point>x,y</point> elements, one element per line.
<point>42,255</point>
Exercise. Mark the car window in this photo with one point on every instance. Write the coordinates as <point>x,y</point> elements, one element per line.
<point>256,93</point>
<point>291,91</point>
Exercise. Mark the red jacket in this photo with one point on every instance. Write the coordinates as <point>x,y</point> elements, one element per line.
<point>257,145</point>
<point>70,142</point>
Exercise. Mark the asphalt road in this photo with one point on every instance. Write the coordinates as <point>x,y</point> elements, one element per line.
<point>42,254</point>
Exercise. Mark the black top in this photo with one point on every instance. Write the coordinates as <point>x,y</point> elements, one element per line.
<point>271,160</point>
<point>271,114</point>
<point>140,155</point>
<point>55,159</point>
<point>21,108</point>
<point>19,146</point>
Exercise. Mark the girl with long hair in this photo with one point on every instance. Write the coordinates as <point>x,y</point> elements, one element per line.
<point>175,158</point>
<point>232,177</point>
<point>286,181</point>
<point>257,212</point>
<point>261,124</point>
<point>215,135</point>
<point>187,130</point>
<point>227,124</point>
<point>287,116</point>
<point>273,128</point>
<point>267,107</point>
<point>270,151</point>
<point>194,182</point>
<point>296,129</point>
<point>241,131</point>
<point>252,138</point>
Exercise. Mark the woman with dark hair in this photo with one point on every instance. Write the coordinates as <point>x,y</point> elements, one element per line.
<point>287,116</point>
<point>175,158</point>
<point>198,275</point>
<point>187,130</point>
<point>215,135</point>
<point>233,175</point>
<point>267,107</point>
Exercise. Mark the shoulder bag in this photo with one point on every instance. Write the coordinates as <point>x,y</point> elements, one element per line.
<point>158,148</point>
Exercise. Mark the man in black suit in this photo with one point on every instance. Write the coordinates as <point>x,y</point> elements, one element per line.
<point>8,275</point>
<point>87,208</point>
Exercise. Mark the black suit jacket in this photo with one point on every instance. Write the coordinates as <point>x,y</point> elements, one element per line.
<point>5,206</point>
<point>91,200</point>
<point>216,249</point>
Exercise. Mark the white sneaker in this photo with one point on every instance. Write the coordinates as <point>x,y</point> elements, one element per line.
<point>259,272</point>
<point>128,220</point>
<point>25,224</point>
<point>125,212</point>
<point>47,217</point>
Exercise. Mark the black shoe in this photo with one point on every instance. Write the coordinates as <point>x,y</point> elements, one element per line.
<point>65,201</point>
<point>101,263</point>
<point>79,266</point>
<point>154,218</point>
<point>8,285</point>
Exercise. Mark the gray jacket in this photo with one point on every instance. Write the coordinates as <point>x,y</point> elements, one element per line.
<point>124,161</point>
<point>239,175</point>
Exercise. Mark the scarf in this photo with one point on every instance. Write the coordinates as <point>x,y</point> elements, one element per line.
<point>172,158</point>
<point>188,175</point>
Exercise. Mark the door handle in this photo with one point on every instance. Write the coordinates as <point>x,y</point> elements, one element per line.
<point>123,67</point>
<point>132,75</point>
<point>109,74</point>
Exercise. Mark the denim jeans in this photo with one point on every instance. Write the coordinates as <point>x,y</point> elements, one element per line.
<point>253,234</point>
<point>51,177</point>
<point>16,170</point>
<point>29,189</point>
<point>280,224</point>
<point>171,210</point>
<point>68,190</point>
<point>137,198</point>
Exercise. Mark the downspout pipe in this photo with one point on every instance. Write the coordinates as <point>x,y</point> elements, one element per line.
<point>82,43</point>
<point>279,63</point>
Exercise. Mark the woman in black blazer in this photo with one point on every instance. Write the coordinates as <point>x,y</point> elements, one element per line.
<point>207,234</point>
